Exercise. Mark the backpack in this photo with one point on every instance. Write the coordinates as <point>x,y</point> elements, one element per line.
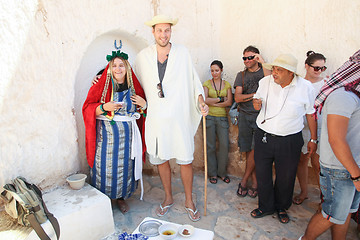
<point>23,201</point>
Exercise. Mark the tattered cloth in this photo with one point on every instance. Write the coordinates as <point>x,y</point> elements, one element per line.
<point>348,76</point>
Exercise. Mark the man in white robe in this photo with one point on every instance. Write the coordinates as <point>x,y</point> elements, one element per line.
<point>175,100</point>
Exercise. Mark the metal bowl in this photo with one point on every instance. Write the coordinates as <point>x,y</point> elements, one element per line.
<point>150,228</point>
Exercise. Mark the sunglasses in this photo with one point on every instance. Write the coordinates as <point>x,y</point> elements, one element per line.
<point>316,69</point>
<point>160,93</point>
<point>248,58</point>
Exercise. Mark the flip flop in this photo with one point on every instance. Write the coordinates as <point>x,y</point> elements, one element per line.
<point>189,211</point>
<point>163,210</point>
<point>298,200</point>
<point>242,191</point>
<point>253,193</point>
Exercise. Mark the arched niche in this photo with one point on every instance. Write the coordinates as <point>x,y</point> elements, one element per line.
<point>92,62</point>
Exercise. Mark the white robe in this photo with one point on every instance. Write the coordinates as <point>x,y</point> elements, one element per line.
<point>172,121</point>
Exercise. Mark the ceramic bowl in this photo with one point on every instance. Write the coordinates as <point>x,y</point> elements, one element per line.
<point>168,231</point>
<point>76,181</point>
<point>186,230</point>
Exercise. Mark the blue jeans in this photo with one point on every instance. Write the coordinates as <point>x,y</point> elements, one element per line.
<point>217,128</point>
<point>340,195</point>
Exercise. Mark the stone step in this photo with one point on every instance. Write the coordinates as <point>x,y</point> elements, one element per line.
<point>83,214</point>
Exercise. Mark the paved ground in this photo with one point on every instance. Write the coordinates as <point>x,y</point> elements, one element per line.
<point>227,214</point>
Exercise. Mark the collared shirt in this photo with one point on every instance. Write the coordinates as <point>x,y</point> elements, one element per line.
<point>283,108</point>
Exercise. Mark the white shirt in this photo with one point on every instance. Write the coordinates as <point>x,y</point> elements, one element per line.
<point>285,107</point>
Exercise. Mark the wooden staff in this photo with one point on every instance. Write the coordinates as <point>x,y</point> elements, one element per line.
<point>205,163</point>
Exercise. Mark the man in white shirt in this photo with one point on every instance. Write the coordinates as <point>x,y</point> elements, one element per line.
<point>283,99</point>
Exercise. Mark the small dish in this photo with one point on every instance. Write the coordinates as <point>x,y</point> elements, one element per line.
<point>186,230</point>
<point>150,228</point>
<point>168,231</point>
<point>76,181</point>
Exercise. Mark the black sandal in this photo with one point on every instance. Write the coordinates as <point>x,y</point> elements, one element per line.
<point>225,179</point>
<point>257,213</point>
<point>283,216</point>
<point>213,180</point>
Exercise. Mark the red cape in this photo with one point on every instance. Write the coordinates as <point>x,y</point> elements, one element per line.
<point>89,114</point>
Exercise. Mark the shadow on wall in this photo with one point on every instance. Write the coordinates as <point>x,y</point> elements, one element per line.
<point>92,62</point>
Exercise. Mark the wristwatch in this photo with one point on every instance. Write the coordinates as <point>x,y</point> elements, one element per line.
<point>314,141</point>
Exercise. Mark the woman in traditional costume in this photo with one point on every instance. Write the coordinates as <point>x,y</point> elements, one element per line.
<point>114,146</point>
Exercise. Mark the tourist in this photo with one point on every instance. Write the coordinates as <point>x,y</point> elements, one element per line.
<point>113,140</point>
<point>314,65</point>
<point>218,96</point>
<point>175,104</point>
<point>246,84</point>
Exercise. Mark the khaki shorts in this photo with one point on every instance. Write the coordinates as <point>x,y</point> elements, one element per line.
<point>157,161</point>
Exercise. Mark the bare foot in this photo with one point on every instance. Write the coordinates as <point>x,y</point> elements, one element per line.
<point>124,208</point>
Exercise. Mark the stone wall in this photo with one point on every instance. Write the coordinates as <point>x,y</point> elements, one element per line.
<point>51,49</point>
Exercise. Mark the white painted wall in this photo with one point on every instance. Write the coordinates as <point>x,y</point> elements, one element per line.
<point>51,49</point>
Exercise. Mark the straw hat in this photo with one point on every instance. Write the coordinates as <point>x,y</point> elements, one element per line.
<point>287,61</point>
<point>161,19</point>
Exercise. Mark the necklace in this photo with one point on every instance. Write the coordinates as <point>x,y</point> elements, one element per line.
<point>217,92</point>
<point>267,95</point>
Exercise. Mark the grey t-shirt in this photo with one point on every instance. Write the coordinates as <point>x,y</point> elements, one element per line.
<point>251,84</point>
<point>161,69</point>
<point>347,104</point>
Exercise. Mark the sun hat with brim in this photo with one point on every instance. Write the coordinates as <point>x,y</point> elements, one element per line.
<point>287,61</point>
<point>161,19</point>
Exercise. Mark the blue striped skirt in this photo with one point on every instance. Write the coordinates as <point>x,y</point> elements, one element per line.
<point>113,170</point>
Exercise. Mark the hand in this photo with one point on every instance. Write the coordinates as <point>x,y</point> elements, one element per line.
<point>204,109</point>
<point>137,100</point>
<point>259,58</point>
<point>257,103</point>
<point>311,147</point>
<point>357,185</point>
<point>95,80</point>
<point>112,106</point>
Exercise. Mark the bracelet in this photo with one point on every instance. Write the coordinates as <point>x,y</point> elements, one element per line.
<point>102,107</point>
<point>221,99</point>
<point>355,179</point>
<point>314,141</point>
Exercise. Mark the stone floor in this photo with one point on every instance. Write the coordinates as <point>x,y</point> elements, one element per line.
<point>227,214</point>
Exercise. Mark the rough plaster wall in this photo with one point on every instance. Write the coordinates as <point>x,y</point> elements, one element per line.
<point>43,44</point>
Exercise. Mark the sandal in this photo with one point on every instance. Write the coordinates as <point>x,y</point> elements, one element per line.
<point>225,179</point>
<point>298,200</point>
<point>252,192</point>
<point>162,211</point>
<point>257,213</point>
<point>283,216</point>
<point>213,180</point>
<point>242,191</point>
<point>192,218</point>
